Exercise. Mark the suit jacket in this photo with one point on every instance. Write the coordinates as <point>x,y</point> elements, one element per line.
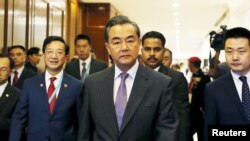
<point>180,87</point>
<point>32,111</point>
<point>26,73</point>
<point>150,113</point>
<point>8,102</point>
<point>28,65</point>
<point>222,103</point>
<point>73,67</point>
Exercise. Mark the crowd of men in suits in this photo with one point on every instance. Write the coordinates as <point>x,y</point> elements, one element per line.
<point>136,99</point>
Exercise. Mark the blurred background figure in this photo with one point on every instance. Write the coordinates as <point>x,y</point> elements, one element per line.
<point>20,72</point>
<point>167,57</point>
<point>33,58</point>
<point>196,89</point>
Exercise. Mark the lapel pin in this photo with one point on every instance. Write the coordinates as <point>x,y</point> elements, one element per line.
<point>41,85</point>
<point>65,85</point>
<point>7,95</point>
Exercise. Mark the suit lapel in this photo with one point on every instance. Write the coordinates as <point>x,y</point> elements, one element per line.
<point>92,66</point>
<point>138,91</point>
<point>108,102</point>
<point>42,91</point>
<point>163,70</point>
<point>231,89</point>
<point>77,69</point>
<point>6,96</point>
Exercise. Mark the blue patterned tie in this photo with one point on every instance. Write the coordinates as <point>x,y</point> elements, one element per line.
<point>121,99</point>
<point>245,97</point>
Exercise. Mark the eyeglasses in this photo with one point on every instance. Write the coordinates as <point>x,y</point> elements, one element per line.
<point>4,69</point>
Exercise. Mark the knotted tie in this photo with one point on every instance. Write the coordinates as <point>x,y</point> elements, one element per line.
<point>50,92</point>
<point>121,99</point>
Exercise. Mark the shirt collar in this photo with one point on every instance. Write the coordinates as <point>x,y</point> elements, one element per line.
<point>2,88</point>
<point>19,71</point>
<point>87,61</point>
<point>132,71</point>
<point>157,68</point>
<point>48,76</point>
<point>237,76</point>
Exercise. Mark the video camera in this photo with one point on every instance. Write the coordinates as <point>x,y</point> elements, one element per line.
<point>216,39</point>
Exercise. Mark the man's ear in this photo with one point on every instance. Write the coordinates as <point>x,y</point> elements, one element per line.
<point>108,48</point>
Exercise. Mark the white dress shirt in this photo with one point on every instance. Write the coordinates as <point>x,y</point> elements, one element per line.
<point>238,83</point>
<point>56,82</point>
<point>157,69</point>
<point>129,81</point>
<point>2,88</point>
<point>19,71</point>
<point>87,66</point>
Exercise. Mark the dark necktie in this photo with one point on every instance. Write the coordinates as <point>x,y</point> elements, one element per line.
<point>15,79</point>
<point>51,89</point>
<point>245,97</point>
<point>83,71</point>
<point>121,99</point>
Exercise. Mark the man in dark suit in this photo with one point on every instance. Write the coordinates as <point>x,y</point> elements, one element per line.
<point>152,55</point>
<point>49,104</point>
<point>9,96</point>
<point>20,72</point>
<point>85,65</point>
<point>127,102</point>
<point>34,56</point>
<point>196,88</point>
<point>227,99</point>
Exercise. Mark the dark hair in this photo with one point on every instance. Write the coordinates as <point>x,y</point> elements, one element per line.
<point>237,32</point>
<point>16,46</point>
<point>83,37</point>
<point>50,39</point>
<point>154,34</point>
<point>12,64</point>
<point>119,20</point>
<point>33,50</point>
<point>196,64</point>
<point>166,49</point>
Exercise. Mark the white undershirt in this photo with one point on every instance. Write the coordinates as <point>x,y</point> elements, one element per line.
<point>238,83</point>
<point>56,82</point>
<point>2,88</point>
<point>129,81</point>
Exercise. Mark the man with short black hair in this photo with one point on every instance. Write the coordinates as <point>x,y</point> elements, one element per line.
<point>9,96</point>
<point>153,43</point>
<point>50,102</point>
<point>20,72</point>
<point>34,56</point>
<point>227,99</point>
<point>85,65</point>
<point>127,102</point>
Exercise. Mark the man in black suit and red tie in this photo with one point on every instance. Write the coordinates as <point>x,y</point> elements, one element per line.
<point>127,102</point>
<point>9,96</point>
<point>227,99</point>
<point>85,65</point>
<point>20,72</point>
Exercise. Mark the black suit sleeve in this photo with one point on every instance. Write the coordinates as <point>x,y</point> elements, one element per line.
<point>84,133</point>
<point>167,121</point>
<point>181,94</point>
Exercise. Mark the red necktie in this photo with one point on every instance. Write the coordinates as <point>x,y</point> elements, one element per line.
<point>50,92</point>
<point>15,78</point>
